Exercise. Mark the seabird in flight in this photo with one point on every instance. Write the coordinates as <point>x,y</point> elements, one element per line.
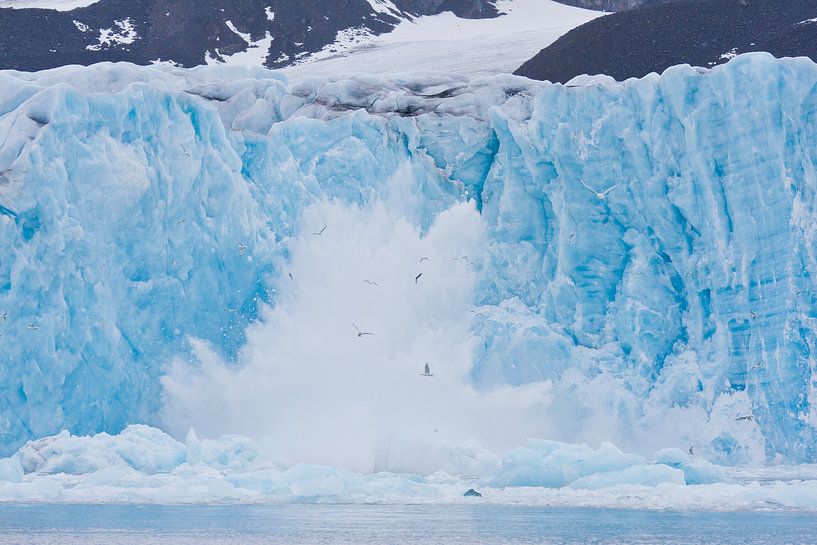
<point>599,194</point>
<point>417,278</point>
<point>320,233</point>
<point>361,333</point>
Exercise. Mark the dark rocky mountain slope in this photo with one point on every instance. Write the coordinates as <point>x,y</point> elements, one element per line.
<point>189,31</point>
<point>612,5</point>
<point>698,32</point>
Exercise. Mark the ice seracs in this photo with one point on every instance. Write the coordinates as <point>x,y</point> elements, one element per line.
<point>628,316</point>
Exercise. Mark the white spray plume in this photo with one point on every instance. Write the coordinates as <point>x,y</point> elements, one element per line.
<point>320,393</point>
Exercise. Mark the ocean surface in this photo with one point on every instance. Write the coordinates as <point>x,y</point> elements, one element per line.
<point>390,524</point>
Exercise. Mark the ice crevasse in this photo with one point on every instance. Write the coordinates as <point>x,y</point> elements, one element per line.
<point>648,246</point>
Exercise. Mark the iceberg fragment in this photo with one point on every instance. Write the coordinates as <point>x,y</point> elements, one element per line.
<point>554,465</point>
<point>643,475</point>
<point>696,470</point>
<point>11,470</point>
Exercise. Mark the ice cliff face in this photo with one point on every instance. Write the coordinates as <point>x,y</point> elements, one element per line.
<point>649,246</point>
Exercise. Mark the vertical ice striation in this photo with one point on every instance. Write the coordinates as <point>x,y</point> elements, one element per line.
<point>131,219</point>
<point>679,214</point>
<point>650,243</point>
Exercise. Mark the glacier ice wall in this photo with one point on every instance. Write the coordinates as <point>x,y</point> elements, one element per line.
<point>649,244</point>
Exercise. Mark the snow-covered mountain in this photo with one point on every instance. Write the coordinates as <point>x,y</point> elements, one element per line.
<point>700,33</point>
<point>58,5</point>
<point>44,34</point>
<point>451,44</point>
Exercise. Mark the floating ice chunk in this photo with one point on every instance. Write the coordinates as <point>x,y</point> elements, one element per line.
<point>121,475</point>
<point>143,448</point>
<point>233,452</point>
<point>603,477</point>
<point>326,486</point>
<point>553,464</point>
<point>642,474</point>
<point>11,470</point>
<point>696,469</point>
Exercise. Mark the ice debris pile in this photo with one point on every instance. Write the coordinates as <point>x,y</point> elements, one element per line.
<point>144,465</point>
<point>648,249</point>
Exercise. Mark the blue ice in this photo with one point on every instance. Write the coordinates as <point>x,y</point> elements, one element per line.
<point>649,244</point>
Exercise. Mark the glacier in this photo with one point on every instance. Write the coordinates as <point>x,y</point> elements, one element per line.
<point>634,265</point>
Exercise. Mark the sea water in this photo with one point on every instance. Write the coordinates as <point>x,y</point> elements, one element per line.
<point>376,524</point>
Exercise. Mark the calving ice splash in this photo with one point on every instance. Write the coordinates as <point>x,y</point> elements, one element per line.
<point>274,263</point>
<point>335,372</point>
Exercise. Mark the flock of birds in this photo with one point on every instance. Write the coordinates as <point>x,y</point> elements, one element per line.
<point>359,332</point>
<point>464,259</point>
<point>601,195</point>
